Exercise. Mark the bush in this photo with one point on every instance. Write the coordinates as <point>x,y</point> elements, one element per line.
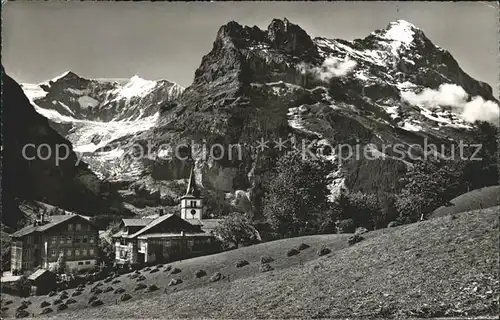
<point>70,301</point>
<point>303,246</point>
<point>266,259</point>
<point>216,277</point>
<point>345,226</point>
<point>200,273</point>
<point>125,297</point>
<point>175,271</point>
<point>265,267</point>
<point>62,306</point>
<point>152,288</point>
<point>292,252</point>
<point>140,286</point>
<point>109,289</point>
<point>354,239</point>
<point>119,290</point>
<point>44,304</point>
<point>46,311</point>
<point>56,302</point>
<point>324,251</point>
<point>241,263</point>
<point>96,303</point>
<point>174,282</point>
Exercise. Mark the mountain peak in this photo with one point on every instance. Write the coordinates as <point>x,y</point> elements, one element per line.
<point>66,75</point>
<point>289,37</point>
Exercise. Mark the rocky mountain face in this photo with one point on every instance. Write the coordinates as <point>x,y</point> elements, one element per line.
<point>39,164</point>
<point>393,86</point>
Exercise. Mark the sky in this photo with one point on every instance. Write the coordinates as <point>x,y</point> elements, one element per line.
<point>155,40</point>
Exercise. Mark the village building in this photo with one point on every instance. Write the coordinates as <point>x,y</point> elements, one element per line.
<point>168,237</point>
<point>41,244</point>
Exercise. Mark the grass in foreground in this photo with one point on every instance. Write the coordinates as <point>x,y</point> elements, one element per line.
<point>442,267</point>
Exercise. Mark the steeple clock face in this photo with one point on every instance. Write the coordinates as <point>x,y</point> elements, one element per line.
<point>193,212</point>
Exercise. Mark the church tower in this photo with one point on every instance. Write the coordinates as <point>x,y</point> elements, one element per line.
<point>191,204</point>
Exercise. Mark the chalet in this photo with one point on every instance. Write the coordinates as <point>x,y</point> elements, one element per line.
<point>42,243</point>
<point>170,236</point>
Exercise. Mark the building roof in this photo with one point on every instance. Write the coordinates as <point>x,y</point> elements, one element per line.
<point>153,223</point>
<point>137,222</point>
<point>168,235</point>
<point>192,189</point>
<point>37,274</point>
<point>207,225</point>
<point>52,221</point>
<point>9,279</point>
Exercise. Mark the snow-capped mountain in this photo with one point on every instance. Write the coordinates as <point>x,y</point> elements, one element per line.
<point>393,86</point>
<point>92,113</point>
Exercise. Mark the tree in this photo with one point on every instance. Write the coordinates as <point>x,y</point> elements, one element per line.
<point>297,195</point>
<point>106,252</point>
<point>61,267</point>
<point>236,228</point>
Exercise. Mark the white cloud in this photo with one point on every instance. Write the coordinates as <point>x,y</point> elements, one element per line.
<point>332,67</point>
<point>455,96</point>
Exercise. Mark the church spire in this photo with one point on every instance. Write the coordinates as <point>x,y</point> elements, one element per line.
<point>192,189</point>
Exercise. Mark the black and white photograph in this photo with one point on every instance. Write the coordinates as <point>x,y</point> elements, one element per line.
<point>250,160</point>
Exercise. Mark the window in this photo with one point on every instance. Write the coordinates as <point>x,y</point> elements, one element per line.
<point>78,226</point>
<point>61,240</point>
<point>80,263</point>
<point>190,243</point>
<point>84,239</point>
<point>28,240</point>
<point>193,204</point>
<point>91,239</point>
<point>168,243</point>
<point>69,252</point>
<point>91,251</point>
<point>70,227</point>
<point>69,239</point>
<point>87,262</point>
<point>84,252</point>
<point>53,252</point>
<point>77,239</point>
<point>61,252</point>
<point>26,252</point>
<point>77,252</point>
<point>54,240</point>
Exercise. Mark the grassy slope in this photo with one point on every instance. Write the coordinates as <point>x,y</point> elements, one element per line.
<point>476,199</point>
<point>436,265</point>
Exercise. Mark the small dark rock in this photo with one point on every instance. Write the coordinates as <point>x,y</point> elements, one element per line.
<point>167,268</point>
<point>292,252</point>
<point>200,273</point>
<point>141,278</point>
<point>266,259</point>
<point>174,282</point>
<point>52,293</point>
<point>355,239</point>
<point>152,288</point>
<point>108,289</point>
<point>56,302</point>
<point>175,271</point>
<point>119,290</point>
<point>125,297</point>
<point>242,263</point>
<point>303,246</point>
<point>265,267</point>
<point>46,311</point>
<point>154,270</point>
<point>62,306</point>
<point>115,281</point>
<point>324,251</point>
<point>96,303</point>
<point>216,277</point>
<point>44,304</point>
<point>76,293</point>
<point>22,314</point>
<point>140,286</point>
<point>70,301</point>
